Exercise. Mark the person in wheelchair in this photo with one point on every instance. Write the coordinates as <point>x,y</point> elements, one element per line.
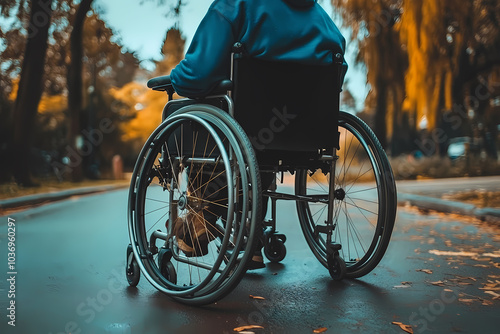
<point>297,31</point>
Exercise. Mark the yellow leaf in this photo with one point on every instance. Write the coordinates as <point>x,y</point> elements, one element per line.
<point>438,283</point>
<point>320,330</point>
<point>257,297</point>
<point>406,328</point>
<point>242,328</point>
<point>494,294</point>
<point>466,300</point>
<point>427,271</point>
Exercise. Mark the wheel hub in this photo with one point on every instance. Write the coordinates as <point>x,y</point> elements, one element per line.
<point>182,203</point>
<point>340,194</point>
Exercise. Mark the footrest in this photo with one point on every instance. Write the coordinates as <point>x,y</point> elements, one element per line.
<point>333,248</point>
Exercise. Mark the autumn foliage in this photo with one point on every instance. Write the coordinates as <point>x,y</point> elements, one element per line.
<point>427,60</point>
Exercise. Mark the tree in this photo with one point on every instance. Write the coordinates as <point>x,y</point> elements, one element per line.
<point>30,89</point>
<point>12,50</point>
<point>144,104</point>
<point>75,85</point>
<point>425,54</point>
<point>373,24</point>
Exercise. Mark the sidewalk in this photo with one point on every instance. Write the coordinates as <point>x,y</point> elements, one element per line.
<point>31,200</point>
<point>426,194</point>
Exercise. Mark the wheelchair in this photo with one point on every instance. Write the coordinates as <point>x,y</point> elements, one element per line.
<point>204,163</point>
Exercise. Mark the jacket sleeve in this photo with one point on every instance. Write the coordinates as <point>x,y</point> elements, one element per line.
<point>208,58</point>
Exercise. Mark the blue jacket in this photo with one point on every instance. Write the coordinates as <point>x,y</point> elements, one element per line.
<point>287,30</point>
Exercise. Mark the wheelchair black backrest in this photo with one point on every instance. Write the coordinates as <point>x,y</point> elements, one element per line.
<point>288,110</point>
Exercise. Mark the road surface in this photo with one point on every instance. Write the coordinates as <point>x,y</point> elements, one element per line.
<point>439,275</point>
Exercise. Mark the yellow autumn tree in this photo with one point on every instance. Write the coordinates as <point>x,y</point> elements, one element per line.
<point>145,104</point>
<point>373,25</point>
<point>433,33</point>
<point>429,57</point>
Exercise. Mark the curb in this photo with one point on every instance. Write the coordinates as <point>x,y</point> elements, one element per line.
<point>445,206</point>
<point>31,200</point>
<point>423,202</point>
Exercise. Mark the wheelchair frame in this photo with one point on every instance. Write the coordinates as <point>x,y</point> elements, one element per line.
<point>236,229</point>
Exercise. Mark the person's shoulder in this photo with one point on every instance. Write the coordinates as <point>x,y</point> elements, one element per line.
<point>225,6</point>
<point>233,10</point>
<point>231,6</point>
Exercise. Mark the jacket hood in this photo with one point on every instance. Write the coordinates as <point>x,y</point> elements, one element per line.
<point>300,3</point>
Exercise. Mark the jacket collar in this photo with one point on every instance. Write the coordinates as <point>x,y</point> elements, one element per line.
<point>300,3</point>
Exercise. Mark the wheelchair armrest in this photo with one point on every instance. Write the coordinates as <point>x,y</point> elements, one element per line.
<point>164,83</point>
<point>222,87</point>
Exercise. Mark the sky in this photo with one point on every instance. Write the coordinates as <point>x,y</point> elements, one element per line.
<point>142,28</point>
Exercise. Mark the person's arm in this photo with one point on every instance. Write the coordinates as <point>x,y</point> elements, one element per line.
<point>208,59</point>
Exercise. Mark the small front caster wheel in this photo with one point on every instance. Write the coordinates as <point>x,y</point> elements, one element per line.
<point>166,267</point>
<point>275,250</point>
<point>336,267</point>
<point>132,268</point>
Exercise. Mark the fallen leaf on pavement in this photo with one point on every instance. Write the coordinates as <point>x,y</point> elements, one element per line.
<point>450,253</point>
<point>465,277</point>
<point>491,288</point>
<point>320,330</point>
<point>466,300</point>
<point>494,294</point>
<point>406,328</point>
<point>257,297</point>
<point>242,328</point>
<point>438,283</point>
<point>492,255</point>
<point>427,271</point>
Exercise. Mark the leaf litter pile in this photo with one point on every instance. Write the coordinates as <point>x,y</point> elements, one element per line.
<point>472,244</point>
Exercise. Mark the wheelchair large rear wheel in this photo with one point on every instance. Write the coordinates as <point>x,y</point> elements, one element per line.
<point>365,200</point>
<point>194,205</point>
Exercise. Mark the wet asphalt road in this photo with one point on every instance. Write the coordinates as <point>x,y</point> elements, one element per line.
<point>70,259</point>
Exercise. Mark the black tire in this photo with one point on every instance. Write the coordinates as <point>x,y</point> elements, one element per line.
<point>365,208</point>
<point>336,267</point>
<point>132,271</point>
<point>167,269</point>
<point>275,250</point>
<point>195,154</point>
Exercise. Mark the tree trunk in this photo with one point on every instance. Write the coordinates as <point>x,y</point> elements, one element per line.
<point>30,91</point>
<point>380,125</point>
<point>75,90</point>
